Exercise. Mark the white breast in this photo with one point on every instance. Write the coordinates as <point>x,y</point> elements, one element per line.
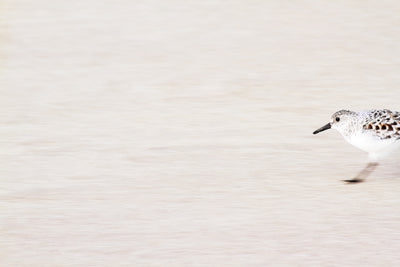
<point>372,144</point>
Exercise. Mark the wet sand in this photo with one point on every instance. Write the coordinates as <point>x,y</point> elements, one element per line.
<point>179,133</point>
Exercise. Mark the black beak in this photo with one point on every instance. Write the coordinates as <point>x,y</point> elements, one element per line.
<point>323,128</point>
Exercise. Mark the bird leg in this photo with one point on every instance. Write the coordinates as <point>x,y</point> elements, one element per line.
<point>364,173</point>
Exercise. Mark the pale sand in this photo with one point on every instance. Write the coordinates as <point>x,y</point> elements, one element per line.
<point>179,133</point>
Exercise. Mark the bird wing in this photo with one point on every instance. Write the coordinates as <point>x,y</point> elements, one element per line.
<point>383,123</point>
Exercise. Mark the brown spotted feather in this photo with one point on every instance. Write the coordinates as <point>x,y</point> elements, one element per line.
<point>383,123</point>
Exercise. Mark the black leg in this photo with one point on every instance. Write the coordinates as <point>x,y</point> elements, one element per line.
<point>364,173</point>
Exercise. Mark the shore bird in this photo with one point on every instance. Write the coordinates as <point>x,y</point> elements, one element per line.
<point>374,131</point>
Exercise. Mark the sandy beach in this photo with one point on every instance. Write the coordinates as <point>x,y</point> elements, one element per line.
<point>179,133</point>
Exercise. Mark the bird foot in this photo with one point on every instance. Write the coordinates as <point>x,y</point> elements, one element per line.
<point>353,181</point>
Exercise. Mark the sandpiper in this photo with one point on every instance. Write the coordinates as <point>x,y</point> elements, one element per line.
<point>374,131</point>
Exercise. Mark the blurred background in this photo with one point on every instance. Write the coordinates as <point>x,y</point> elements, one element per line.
<point>179,133</point>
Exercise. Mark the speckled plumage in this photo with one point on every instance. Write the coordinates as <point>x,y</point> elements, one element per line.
<point>385,124</point>
<point>374,131</point>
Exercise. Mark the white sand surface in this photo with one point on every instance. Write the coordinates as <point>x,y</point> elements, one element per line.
<point>178,133</point>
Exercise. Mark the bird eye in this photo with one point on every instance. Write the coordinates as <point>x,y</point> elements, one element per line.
<point>337,119</point>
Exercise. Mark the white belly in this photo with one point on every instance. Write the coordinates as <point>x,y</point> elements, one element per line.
<point>376,147</point>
